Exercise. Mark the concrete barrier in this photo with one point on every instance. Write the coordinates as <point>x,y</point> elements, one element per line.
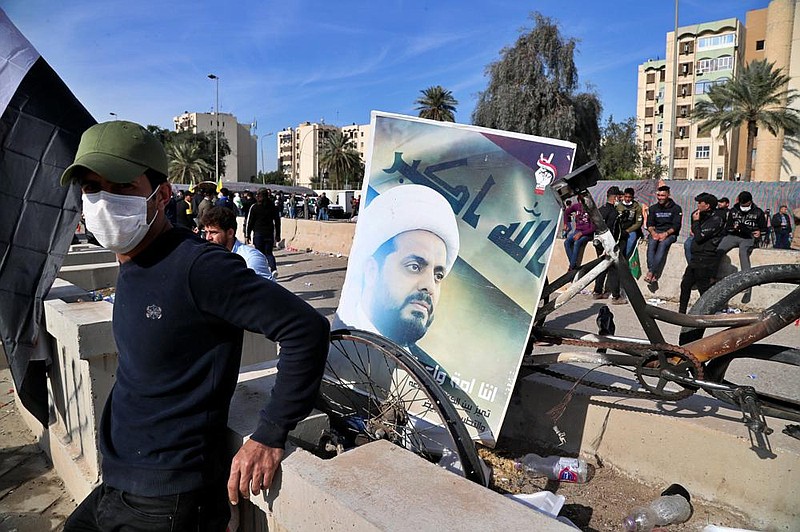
<point>378,486</point>
<point>337,237</point>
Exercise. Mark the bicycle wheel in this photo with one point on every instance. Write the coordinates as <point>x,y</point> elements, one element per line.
<point>373,389</point>
<point>776,362</point>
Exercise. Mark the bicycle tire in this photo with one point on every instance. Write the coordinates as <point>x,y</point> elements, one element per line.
<point>373,389</point>
<point>715,300</point>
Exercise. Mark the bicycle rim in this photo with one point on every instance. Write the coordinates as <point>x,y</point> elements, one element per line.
<point>373,389</point>
<point>716,299</point>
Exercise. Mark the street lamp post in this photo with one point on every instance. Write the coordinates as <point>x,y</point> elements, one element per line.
<point>263,163</point>
<point>216,124</point>
<point>300,152</point>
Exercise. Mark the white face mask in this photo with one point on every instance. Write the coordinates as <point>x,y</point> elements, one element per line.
<point>745,209</point>
<point>627,203</point>
<point>118,222</point>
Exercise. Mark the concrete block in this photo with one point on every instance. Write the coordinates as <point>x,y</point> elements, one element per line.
<point>257,348</point>
<point>88,254</point>
<point>325,237</point>
<point>91,276</point>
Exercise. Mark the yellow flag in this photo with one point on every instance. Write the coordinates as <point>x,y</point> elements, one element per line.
<point>219,185</point>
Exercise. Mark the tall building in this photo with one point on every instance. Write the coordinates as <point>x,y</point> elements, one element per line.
<point>241,164</point>
<point>708,54</point>
<point>299,149</point>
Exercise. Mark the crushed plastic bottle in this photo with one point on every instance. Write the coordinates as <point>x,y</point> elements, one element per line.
<point>671,508</point>
<point>559,468</point>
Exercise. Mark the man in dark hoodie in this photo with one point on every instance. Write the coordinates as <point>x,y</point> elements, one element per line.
<point>708,228</point>
<point>746,223</point>
<point>663,225</point>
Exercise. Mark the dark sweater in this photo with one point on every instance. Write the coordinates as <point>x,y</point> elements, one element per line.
<point>179,330</point>
<point>262,219</point>
<point>742,224</point>
<point>665,217</point>
<point>707,232</point>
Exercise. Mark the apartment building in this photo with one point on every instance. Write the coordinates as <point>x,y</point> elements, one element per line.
<point>241,164</point>
<point>299,149</point>
<point>708,54</point>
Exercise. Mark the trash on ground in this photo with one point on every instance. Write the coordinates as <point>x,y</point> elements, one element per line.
<point>574,470</point>
<point>544,501</point>
<point>792,430</point>
<point>655,301</point>
<point>671,508</point>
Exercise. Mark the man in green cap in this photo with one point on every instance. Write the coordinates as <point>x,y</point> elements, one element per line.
<point>179,341</point>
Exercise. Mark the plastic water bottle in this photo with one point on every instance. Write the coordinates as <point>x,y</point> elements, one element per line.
<point>671,508</point>
<point>559,468</point>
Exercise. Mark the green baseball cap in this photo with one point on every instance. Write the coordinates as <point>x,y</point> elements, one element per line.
<point>120,151</point>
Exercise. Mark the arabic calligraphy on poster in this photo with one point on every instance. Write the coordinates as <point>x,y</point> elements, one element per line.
<point>471,325</point>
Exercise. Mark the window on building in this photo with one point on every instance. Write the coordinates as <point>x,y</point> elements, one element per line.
<point>716,41</point>
<point>719,172</point>
<point>684,110</point>
<point>724,62</point>
<point>650,95</point>
<point>659,127</point>
<point>702,152</point>
<point>651,77</point>
<point>648,129</point>
<point>647,145</point>
<point>648,112</point>
<point>680,173</point>
<point>701,172</point>
<point>662,75</point>
<point>703,134</point>
<point>681,132</point>
<point>760,44</point>
<point>658,145</point>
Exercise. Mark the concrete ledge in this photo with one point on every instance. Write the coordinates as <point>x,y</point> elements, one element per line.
<point>663,442</point>
<point>326,237</point>
<point>91,276</point>
<point>378,486</point>
<point>88,254</point>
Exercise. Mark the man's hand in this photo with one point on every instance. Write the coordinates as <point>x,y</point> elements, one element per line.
<point>695,216</point>
<point>252,470</point>
<point>756,234</point>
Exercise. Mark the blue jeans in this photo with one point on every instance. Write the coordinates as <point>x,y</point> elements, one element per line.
<point>108,508</point>
<point>573,248</point>
<point>264,243</point>
<point>322,215</point>
<point>657,253</point>
<point>687,249</point>
<point>629,243</point>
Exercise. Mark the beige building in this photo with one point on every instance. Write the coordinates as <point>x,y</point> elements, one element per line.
<point>707,54</point>
<point>299,149</point>
<point>241,165</point>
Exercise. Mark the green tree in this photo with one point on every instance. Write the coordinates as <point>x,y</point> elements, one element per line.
<point>619,153</point>
<point>275,177</point>
<point>186,164</point>
<point>757,97</point>
<point>533,88</point>
<point>712,114</point>
<point>650,166</point>
<point>205,143</point>
<point>437,103</point>
<point>341,160</point>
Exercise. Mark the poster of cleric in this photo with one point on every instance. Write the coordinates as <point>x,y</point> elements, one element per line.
<point>452,242</point>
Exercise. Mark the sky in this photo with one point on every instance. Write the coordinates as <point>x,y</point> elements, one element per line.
<point>283,63</point>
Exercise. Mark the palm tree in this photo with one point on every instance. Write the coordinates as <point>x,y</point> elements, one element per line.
<point>437,103</point>
<point>186,164</point>
<point>340,158</point>
<point>713,113</point>
<point>757,97</point>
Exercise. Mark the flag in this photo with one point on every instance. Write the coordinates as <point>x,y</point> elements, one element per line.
<point>634,264</point>
<point>41,123</point>
<point>219,185</point>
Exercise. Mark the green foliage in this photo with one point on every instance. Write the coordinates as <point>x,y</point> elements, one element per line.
<point>650,167</point>
<point>186,165</point>
<point>619,154</point>
<point>533,89</point>
<point>205,143</point>
<point>275,177</point>
<point>341,160</point>
<point>437,103</point>
<point>757,97</point>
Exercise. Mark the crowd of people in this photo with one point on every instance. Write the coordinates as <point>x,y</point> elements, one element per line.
<point>716,229</point>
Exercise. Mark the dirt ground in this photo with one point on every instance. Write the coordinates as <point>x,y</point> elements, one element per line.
<point>603,502</point>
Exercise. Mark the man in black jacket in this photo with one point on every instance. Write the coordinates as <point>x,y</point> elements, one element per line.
<point>746,223</point>
<point>609,279</point>
<point>663,225</point>
<point>707,228</point>
<point>782,225</point>
<point>179,342</point>
<point>261,223</point>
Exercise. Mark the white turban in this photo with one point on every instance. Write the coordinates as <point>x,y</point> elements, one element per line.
<point>407,208</point>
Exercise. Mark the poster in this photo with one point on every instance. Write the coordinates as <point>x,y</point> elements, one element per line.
<point>451,248</point>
